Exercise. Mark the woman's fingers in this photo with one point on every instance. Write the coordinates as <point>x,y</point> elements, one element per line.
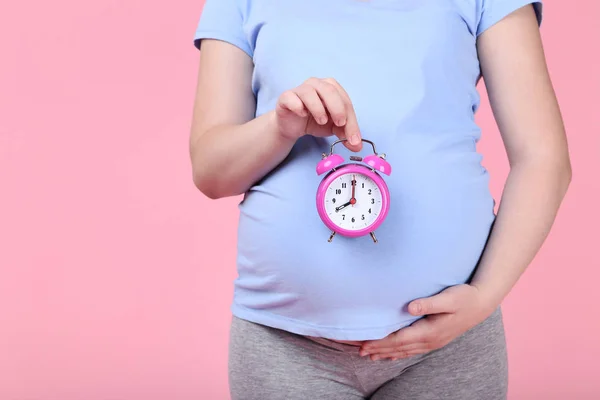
<point>351,130</point>
<point>417,333</point>
<point>403,354</point>
<point>399,352</point>
<point>312,101</point>
<point>327,102</point>
<point>331,98</point>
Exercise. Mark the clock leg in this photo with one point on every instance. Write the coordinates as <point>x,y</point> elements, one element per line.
<point>373,236</point>
<point>331,237</point>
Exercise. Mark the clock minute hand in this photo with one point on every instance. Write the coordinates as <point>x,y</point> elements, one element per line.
<point>353,183</point>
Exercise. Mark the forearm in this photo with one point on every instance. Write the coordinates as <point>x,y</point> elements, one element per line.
<point>530,201</point>
<point>227,160</point>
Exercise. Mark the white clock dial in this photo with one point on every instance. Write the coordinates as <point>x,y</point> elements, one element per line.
<point>348,213</point>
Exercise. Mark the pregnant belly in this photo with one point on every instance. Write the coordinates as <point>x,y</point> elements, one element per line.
<point>433,236</point>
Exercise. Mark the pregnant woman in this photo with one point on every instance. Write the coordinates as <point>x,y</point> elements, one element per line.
<point>415,315</point>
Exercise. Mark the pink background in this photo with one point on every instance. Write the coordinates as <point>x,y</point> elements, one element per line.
<point>116,274</point>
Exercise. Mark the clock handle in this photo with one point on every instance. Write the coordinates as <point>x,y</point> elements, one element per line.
<point>375,161</point>
<point>364,140</point>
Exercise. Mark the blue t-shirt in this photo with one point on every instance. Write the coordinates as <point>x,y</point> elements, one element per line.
<point>410,68</point>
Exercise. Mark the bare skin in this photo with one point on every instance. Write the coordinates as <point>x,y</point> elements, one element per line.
<point>226,162</point>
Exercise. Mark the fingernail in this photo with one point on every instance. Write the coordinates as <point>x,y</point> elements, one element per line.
<point>375,358</point>
<point>354,139</point>
<point>364,353</point>
<point>341,121</point>
<point>417,308</point>
<point>323,120</point>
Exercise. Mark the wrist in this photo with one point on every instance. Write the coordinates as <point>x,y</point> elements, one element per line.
<point>275,128</point>
<point>489,299</point>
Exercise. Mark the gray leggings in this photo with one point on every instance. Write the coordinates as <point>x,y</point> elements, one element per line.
<point>271,364</point>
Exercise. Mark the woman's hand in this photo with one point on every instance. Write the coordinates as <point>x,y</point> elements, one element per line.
<point>318,107</point>
<point>449,314</point>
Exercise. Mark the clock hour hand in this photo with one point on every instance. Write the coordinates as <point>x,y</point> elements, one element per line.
<point>343,206</point>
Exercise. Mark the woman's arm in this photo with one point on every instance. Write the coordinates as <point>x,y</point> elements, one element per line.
<point>527,113</point>
<point>229,148</point>
<point>526,110</point>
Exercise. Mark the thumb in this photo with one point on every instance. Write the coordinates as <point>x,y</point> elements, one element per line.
<point>437,304</point>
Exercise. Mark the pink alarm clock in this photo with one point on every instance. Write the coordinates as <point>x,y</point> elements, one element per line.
<point>353,199</point>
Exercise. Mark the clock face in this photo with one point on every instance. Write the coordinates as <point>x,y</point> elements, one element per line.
<point>353,201</point>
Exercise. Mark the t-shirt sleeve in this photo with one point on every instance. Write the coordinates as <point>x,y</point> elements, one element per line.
<point>492,11</point>
<point>222,20</point>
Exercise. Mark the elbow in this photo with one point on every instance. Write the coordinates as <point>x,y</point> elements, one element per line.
<point>214,187</point>
<point>559,167</point>
<point>553,163</point>
<point>566,174</point>
<point>203,178</point>
<point>208,187</point>
<point>564,171</point>
<point>211,178</point>
<point>211,194</point>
